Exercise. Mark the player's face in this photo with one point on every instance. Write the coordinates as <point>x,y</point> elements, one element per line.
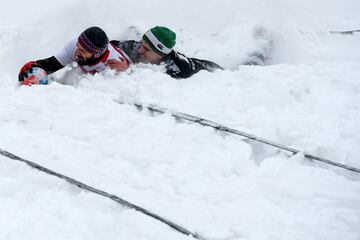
<point>147,54</point>
<point>81,55</point>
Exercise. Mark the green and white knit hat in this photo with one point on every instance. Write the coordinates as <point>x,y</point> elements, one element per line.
<point>160,39</point>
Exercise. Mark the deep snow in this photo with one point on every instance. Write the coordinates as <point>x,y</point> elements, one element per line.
<point>214,184</point>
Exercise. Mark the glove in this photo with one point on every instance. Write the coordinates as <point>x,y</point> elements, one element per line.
<point>26,70</point>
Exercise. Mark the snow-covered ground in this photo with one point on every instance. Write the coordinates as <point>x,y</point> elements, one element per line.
<point>214,184</point>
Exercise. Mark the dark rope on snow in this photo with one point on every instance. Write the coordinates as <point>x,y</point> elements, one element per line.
<point>350,32</point>
<point>115,198</point>
<point>217,126</point>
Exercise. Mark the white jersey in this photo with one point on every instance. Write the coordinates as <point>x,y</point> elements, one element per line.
<point>67,56</point>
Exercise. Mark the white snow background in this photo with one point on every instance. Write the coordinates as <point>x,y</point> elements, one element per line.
<point>217,185</point>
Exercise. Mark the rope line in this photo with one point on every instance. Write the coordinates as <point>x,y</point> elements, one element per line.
<point>113,197</point>
<point>217,126</point>
<point>350,32</point>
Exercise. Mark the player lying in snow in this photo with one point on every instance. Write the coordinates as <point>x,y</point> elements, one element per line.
<point>91,51</point>
<point>157,44</point>
<point>156,47</point>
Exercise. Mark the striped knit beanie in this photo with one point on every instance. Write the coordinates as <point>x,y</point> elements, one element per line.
<point>94,40</point>
<point>160,39</point>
